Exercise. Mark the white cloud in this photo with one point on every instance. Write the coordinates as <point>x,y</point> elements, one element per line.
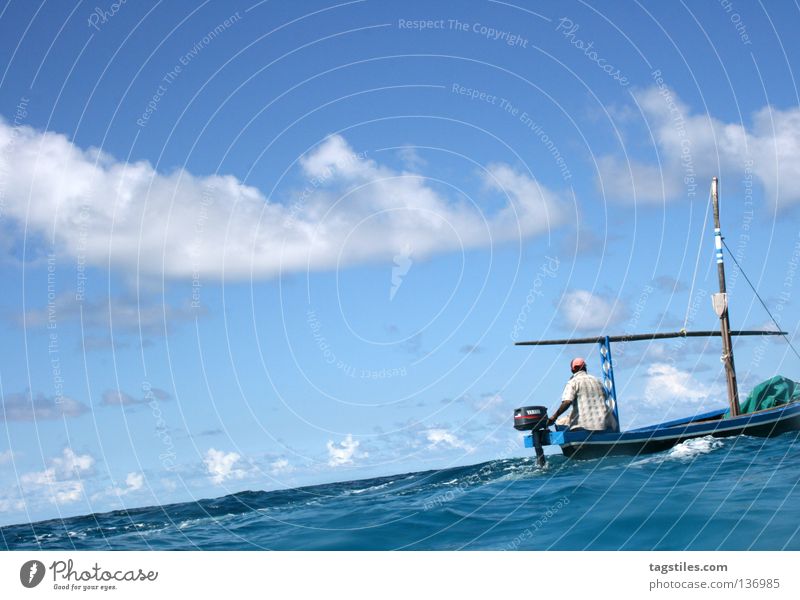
<point>532,209</point>
<point>69,462</point>
<point>66,492</point>
<point>344,452</point>
<point>25,406</point>
<point>11,504</point>
<point>692,147</point>
<point>179,224</point>
<point>61,482</point>
<point>411,158</point>
<point>444,437</point>
<point>134,481</point>
<point>634,181</point>
<point>280,467</point>
<point>6,456</point>
<point>667,385</point>
<point>222,466</point>
<point>582,310</point>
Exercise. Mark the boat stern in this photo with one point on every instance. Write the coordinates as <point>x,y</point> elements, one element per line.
<point>548,438</point>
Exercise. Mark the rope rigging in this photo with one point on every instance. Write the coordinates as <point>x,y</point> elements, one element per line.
<point>752,287</point>
<point>696,265</point>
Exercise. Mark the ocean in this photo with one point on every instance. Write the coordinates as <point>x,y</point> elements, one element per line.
<point>705,494</point>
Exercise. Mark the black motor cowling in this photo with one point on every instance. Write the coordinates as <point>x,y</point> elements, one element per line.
<point>530,418</point>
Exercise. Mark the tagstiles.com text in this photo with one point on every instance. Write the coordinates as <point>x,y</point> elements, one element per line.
<point>682,568</point>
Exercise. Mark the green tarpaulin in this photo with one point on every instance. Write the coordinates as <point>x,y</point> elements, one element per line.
<point>770,393</point>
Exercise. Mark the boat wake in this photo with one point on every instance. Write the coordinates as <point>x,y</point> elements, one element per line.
<point>684,452</point>
<point>691,449</point>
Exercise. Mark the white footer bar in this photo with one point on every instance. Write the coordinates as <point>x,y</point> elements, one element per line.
<point>370,575</point>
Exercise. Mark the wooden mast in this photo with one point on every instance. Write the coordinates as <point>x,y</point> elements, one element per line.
<point>721,307</point>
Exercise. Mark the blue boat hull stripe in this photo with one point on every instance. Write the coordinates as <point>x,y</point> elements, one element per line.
<point>656,435</point>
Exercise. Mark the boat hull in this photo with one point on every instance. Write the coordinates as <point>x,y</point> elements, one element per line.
<point>586,445</point>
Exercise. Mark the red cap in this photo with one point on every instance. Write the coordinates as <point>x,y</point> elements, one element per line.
<point>577,364</point>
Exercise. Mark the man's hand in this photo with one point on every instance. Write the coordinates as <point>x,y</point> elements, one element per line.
<point>559,411</point>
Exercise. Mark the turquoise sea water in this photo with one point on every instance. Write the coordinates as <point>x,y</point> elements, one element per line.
<point>735,494</point>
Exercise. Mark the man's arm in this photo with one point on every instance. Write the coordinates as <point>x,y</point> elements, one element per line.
<point>559,411</point>
<point>566,401</point>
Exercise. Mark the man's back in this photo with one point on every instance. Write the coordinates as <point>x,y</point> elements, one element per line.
<point>588,401</point>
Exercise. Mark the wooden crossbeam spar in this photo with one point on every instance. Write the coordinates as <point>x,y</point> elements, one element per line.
<point>637,337</point>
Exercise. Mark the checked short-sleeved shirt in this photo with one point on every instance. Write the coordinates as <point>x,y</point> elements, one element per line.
<point>588,400</point>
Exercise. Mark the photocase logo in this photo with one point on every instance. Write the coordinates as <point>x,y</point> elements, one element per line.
<point>31,573</point>
<point>402,264</point>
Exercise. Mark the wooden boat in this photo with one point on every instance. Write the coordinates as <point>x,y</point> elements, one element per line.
<point>662,436</point>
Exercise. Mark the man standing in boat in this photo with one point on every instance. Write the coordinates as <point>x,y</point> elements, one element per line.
<point>584,393</point>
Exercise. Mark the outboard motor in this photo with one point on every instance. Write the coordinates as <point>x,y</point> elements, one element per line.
<point>533,419</point>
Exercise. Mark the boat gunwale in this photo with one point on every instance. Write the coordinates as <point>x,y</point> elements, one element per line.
<point>590,438</point>
<point>712,415</point>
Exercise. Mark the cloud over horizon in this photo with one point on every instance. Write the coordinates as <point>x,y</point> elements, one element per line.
<point>345,452</point>
<point>221,466</point>
<point>62,481</point>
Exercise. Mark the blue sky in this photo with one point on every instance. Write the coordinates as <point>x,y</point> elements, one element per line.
<point>265,244</point>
